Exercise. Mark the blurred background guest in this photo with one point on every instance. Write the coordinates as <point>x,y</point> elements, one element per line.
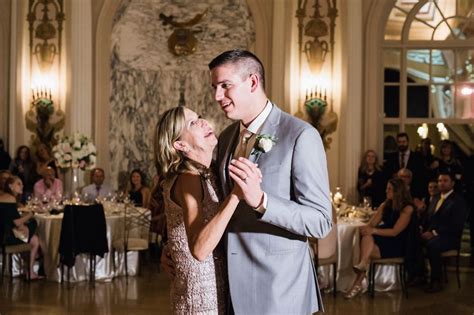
<point>370,179</point>
<point>406,158</point>
<point>407,177</point>
<point>97,188</point>
<point>49,186</point>
<point>44,159</point>
<point>10,219</point>
<point>385,234</point>
<point>4,175</point>
<point>422,205</point>
<point>448,163</point>
<point>139,192</point>
<point>24,167</point>
<point>4,156</point>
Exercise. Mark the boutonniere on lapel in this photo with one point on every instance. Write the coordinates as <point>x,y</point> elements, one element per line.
<point>263,144</point>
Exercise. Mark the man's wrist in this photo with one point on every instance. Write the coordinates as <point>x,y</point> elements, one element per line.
<point>262,206</point>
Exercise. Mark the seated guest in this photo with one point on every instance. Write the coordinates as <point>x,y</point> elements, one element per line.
<point>4,175</point>
<point>97,189</point>
<point>385,234</point>
<point>370,179</point>
<point>407,177</point>
<point>140,194</point>
<point>44,159</point>
<point>5,158</point>
<point>49,187</point>
<point>443,229</point>
<point>24,167</point>
<point>17,229</point>
<point>423,204</point>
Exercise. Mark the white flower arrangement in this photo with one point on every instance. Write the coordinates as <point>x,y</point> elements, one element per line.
<point>75,151</point>
<point>263,144</point>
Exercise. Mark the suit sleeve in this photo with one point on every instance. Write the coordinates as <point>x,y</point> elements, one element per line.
<point>309,212</point>
<point>456,218</point>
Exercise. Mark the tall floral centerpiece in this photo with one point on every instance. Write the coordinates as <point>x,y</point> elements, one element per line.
<point>76,152</point>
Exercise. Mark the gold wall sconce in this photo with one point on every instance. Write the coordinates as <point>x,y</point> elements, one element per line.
<point>45,24</point>
<point>318,105</point>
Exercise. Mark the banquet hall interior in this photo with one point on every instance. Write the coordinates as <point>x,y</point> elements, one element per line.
<point>94,76</point>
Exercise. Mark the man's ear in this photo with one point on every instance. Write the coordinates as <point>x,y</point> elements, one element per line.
<point>180,146</point>
<point>254,82</point>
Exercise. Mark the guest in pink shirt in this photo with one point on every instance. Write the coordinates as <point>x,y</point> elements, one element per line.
<point>49,186</point>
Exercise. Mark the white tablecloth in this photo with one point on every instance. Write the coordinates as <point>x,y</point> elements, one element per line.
<point>49,231</point>
<point>348,248</point>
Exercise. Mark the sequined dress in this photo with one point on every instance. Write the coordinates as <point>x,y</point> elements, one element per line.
<point>198,287</point>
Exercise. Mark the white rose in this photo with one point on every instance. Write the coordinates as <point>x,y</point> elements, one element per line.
<point>67,157</point>
<point>77,144</point>
<point>265,144</point>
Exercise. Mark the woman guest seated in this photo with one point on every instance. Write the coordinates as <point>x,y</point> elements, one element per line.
<point>49,187</point>
<point>17,229</point>
<point>386,240</point>
<point>44,159</point>
<point>140,194</point>
<point>371,179</point>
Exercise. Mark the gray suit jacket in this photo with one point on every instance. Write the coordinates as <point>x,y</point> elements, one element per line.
<point>269,263</point>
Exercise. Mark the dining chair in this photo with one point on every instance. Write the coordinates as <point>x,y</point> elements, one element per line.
<point>136,229</point>
<point>325,254</point>
<point>398,262</point>
<point>7,255</point>
<point>446,256</point>
<point>83,231</point>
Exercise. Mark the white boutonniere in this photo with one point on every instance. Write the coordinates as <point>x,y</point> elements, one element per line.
<point>263,144</point>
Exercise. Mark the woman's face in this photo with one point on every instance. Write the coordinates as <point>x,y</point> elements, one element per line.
<point>197,133</point>
<point>433,188</point>
<point>370,158</point>
<point>389,191</point>
<point>446,150</point>
<point>17,187</point>
<point>43,152</point>
<point>23,155</point>
<point>136,179</point>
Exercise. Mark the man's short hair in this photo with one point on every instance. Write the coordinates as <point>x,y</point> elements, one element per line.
<point>249,63</point>
<point>450,174</point>
<point>403,134</point>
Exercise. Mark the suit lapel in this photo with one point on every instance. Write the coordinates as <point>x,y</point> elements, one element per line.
<point>269,127</point>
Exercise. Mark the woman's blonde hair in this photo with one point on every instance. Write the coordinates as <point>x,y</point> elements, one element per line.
<point>363,164</point>
<point>168,160</point>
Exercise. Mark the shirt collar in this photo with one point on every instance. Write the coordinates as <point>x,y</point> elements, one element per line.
<point>257,123</point>
<point>446,195</point>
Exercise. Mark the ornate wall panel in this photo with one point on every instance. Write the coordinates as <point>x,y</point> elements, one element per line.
<point>148,78</point>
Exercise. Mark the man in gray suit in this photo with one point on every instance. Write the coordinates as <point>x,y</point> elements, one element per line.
<point>269,262</point>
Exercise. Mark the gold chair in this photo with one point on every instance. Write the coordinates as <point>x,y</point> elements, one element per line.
<point>446,256</point>
<point>136,234</point>
<point>399,262</point>
<point>325,253</point>
<point>8,251</point>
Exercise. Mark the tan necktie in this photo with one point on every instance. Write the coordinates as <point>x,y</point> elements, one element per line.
<point>245,136</point>
<point>439,203</point>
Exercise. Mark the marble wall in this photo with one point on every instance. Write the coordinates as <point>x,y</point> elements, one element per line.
<point>147,78</point>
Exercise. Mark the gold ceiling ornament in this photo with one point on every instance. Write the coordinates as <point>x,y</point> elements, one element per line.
<point>182,41</point>
<point>45,20</point>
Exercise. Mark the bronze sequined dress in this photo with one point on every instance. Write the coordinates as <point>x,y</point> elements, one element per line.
<point>198,287</point>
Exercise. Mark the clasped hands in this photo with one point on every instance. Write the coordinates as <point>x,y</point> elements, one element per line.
<point>248,178</point>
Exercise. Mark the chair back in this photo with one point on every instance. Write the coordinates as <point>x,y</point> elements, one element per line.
<point>136,224</point>
<point>83,230</point>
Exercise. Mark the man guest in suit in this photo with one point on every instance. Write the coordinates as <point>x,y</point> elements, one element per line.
<point>269,262</point>
<point>446,215</point>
